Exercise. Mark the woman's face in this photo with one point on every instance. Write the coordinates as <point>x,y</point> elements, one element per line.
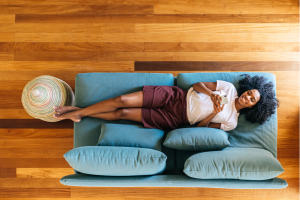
<point>249,98</point>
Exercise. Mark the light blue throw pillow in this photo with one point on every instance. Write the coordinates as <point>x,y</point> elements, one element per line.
<point>116,161</point>
<point>128,135</point>
<point>197,139</point>
<point>233,163</point>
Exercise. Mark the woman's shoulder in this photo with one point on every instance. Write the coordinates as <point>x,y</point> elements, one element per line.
<point>226,86</point>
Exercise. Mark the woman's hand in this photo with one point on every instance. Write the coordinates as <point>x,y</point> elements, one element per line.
<point>214,98</point>
<point>217,108</point>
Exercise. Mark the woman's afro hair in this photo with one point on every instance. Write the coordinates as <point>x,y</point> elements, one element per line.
<point>267,104</point>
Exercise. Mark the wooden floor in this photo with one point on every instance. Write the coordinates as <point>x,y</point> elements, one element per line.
<point>65,37</point>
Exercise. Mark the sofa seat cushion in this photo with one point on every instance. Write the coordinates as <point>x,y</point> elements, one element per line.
<point>233,163</point>
<point>128,135</point>
<point>116,161</point>
<point>246,134</point>
<point>197,139</point>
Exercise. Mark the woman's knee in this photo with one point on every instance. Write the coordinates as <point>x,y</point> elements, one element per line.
<point>130,100</point>
<point>121,113</point>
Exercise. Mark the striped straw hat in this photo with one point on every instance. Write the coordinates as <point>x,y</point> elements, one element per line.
<point>42,93</point>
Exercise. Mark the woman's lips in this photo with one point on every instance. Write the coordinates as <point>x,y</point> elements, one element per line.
<point>243,99</point>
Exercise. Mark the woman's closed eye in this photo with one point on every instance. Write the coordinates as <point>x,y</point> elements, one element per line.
<point>249,93</point>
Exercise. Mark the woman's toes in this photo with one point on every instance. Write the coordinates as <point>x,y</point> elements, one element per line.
<point>59,116</point>
<point>70,116</point>
<point>56,109</point>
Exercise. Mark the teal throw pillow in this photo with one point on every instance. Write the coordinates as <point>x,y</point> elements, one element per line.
<point>116,161</point>
<point>233,163</point>
<point>128,135</point>
<point>197,139</point>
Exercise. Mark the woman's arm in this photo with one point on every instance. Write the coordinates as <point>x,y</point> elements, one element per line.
<point>205,87</point>
<point>206,122</point>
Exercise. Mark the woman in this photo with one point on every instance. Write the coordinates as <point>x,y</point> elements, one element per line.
<point>169,107</point>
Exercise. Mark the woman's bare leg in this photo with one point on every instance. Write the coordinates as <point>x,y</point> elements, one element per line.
<point>129,100</point>
<point>134,114</point>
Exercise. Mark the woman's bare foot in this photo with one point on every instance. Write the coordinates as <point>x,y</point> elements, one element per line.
<point>70,115</point>
<point>64,109</point>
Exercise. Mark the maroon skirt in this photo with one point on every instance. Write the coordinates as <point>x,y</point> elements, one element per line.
<point>164,107</point>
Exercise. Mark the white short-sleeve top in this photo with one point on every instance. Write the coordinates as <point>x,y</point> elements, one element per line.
<point>199,106</point>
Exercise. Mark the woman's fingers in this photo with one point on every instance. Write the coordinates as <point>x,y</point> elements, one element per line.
<point>218,108</point>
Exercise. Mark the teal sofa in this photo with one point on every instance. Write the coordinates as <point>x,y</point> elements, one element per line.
<point>91,88</point>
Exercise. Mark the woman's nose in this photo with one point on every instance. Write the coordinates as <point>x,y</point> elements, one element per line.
<point>248,97</point>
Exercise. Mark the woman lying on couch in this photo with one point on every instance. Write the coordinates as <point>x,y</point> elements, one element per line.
<point>169,107</point>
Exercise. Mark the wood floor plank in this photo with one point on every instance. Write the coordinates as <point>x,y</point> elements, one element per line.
<point>19,85</point>
<point>29,75</point>
<point>219,8</point>
<point>7,173</point>
<point>217,66</point>
<point>70,46</point>
<point>168,18</point>
<point>77,27</point>
<point>288,134</point>
<point>34,152</point>
<point>76,9</point>
<point>98,198</point>
<point>138,2</point>
<point>288,153</point>
<point>291,123</point>
<point>217,28</point>
<point>67,67</point>
<point>35,192</point>
<point>15,113</point>
<point>33,163</point>
<point>157,56</point>
<point>222,46</point>
<point>41,133</point>
<point>10,18</point>
<point>156,37</point>
<point>187,193</point>
<point>11,99</point>
<point>37,143</point>
<point>245,2</point>
<point>35,123</point>
<point>6,56</point>
<point>7,37</point>
<point>43,172</point>
<point>290,166</point>
<point>287,143</point>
